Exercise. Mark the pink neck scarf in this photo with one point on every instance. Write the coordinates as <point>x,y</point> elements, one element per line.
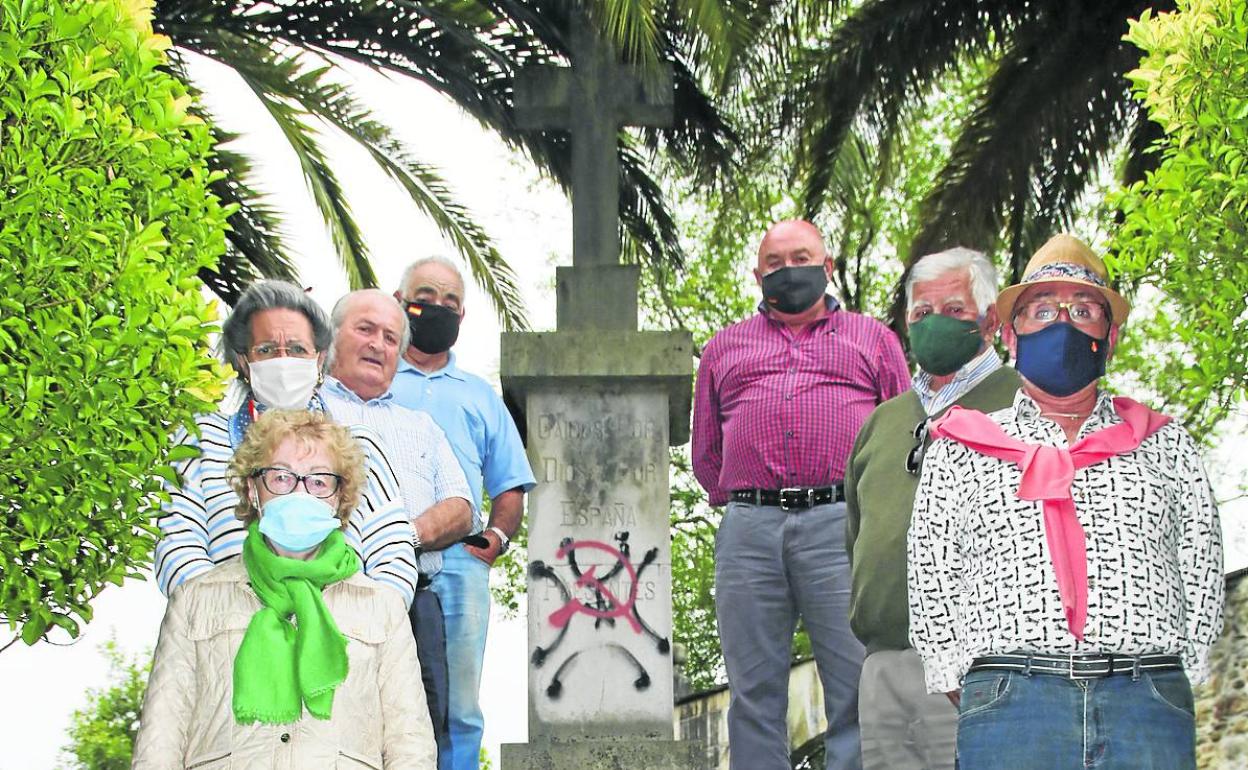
<point>1048,473</point>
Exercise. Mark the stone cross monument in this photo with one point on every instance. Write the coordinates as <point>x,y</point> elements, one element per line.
<point>600,402</point>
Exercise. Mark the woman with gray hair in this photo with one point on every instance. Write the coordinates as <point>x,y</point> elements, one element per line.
<point>277,339</point>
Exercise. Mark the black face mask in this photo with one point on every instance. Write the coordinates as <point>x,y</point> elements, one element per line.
<point>794,289</point>
<point>434,327</point>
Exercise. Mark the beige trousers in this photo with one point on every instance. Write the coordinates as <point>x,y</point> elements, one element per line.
<point>903,726</point>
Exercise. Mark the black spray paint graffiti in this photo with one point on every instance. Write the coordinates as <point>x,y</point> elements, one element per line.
<point>604,607</point>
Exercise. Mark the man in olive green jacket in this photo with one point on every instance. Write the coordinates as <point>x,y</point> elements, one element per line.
<point>952,322</point>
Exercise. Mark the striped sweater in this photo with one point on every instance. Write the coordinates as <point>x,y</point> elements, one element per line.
<point>198,529</point>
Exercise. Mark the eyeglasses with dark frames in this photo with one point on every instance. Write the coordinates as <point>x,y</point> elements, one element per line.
<point>282,481</point>
<point>914,458</point>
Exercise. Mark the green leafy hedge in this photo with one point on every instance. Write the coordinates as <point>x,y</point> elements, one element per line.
<point>105,217</point>
<point>1185,229</point>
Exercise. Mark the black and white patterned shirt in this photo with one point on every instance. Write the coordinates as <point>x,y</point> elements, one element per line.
<point>981,580</point>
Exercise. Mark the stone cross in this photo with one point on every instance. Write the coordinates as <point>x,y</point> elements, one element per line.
<point>602,402</point>
<point>592,99</point>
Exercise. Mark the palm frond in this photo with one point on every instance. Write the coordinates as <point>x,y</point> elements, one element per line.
<point>487,266</point>
<point>695,119</point>
<point>769,69</point>
<point>1142,155</point>
<point>719,35</point>
<point>472,65</point>
<point>1018,170</point>
<point>630,24</point>
<point>1010,149</point>
<point>646,226</point>
<point>257,233</point>
<point>863,171</point>
<point>253,238</point>
<point>880,61</point>
<point>334,104</point>
<point>268,75</point>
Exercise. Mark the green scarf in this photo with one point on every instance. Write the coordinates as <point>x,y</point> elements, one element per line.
<point>281,667</point>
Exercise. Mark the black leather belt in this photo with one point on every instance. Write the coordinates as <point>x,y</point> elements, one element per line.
<point>1078,666</point>
<point>791,498</point>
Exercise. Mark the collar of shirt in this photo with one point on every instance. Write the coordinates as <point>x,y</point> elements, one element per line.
<point>335,386</point>
<point>1026,410</point>
<point>450,370</point>
<point>971,374</point>
<point>829,302</point>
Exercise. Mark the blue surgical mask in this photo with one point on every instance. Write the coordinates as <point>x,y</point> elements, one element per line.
<point>298,521</point>
<point>1060,359</point>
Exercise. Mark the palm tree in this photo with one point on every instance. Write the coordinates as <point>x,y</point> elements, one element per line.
<point>467,50</point>
<point>1053,106</point>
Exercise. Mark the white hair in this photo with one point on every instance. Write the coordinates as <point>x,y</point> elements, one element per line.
<point>438,259</point>
<point>339,314</point>
<point>980,269</point>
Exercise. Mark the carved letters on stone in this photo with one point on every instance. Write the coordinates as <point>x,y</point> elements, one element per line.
<point>600,562</point>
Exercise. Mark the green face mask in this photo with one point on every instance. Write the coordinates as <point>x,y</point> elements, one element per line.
<point>942,345</point>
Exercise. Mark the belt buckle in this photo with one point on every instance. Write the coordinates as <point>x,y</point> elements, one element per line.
<point>810,498</point>
<point>1072,659</point>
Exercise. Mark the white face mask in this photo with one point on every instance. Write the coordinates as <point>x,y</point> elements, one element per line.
<point>285,382</point>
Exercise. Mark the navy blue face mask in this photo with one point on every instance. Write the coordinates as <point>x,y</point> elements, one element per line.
<point>1060,359</point>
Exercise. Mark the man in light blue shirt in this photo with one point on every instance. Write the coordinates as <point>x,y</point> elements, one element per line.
<point>488,447</point>
<point>369,332</point>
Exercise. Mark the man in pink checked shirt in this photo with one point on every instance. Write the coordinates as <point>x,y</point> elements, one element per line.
<point>780,398</point>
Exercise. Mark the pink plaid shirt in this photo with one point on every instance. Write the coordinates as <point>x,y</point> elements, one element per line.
<point>772,410</point>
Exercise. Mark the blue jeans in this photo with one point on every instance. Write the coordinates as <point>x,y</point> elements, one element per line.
<point>463,585</point>
<point>1047,722</point>
<point>771,567</point>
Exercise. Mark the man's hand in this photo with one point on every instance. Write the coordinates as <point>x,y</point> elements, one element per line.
<point>955,697</point>
<point>488,555</point>
<point>506,511</point>
<point>443,523</point>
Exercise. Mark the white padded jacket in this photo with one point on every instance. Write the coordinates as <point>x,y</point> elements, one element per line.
<point>379,719</point>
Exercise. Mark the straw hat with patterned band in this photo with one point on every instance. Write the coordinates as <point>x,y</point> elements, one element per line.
<point>1064,259</point>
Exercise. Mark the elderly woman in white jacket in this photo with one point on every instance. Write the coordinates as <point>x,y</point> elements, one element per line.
<point>288,657</point>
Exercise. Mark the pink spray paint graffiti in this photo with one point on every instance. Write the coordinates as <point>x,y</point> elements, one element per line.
<point>605,606</point>
<point>615,608</point>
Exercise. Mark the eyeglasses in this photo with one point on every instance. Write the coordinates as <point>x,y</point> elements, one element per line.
<point>281,481</point>
<point>914,458</point>
<point>272,350</point>
<point>1045,311</point>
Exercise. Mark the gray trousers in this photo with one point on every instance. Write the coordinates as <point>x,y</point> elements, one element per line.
<point>772,566</point>
<point>904,727</point>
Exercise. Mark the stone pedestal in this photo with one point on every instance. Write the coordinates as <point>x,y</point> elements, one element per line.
<point>602,754</point>
<point>601,409</point>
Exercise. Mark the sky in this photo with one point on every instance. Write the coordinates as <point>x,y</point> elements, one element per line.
<point>531,221</point>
